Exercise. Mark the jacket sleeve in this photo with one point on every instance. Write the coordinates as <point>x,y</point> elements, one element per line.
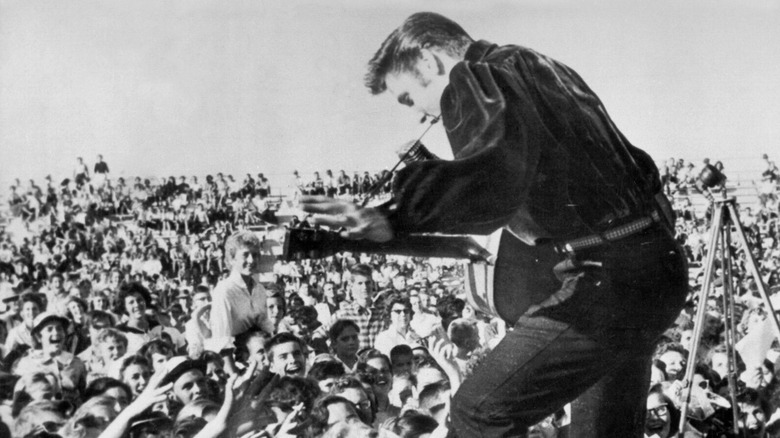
<point>496,136</point>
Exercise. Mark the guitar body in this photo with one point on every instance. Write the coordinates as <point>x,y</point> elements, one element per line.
<point>521,277</point>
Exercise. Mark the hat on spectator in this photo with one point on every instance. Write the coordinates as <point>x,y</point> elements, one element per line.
<point>178,365</point>
<point>46,317</point>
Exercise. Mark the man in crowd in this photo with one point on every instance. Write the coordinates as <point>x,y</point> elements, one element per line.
<point>286,355</point>
<point>369,319</point>
<point>537,154</point>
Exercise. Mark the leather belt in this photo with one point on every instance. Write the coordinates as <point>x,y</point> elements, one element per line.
<point>613,234</point>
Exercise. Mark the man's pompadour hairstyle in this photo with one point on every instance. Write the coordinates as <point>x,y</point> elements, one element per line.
<point>402,48</point>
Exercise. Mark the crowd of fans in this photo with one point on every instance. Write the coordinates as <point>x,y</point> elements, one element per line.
<point>114,298</point>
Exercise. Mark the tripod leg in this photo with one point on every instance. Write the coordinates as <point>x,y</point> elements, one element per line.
<point>753,267</point>
<point>701,309</point>
<point>729,317</point>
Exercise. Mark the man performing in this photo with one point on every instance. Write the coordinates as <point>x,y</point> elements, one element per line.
<point>537,154</point>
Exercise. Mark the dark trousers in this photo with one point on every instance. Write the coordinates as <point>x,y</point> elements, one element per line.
<point>591,341</point>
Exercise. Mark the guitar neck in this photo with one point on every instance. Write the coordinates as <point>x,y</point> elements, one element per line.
<point>423,245</point>
<point>323,243</point>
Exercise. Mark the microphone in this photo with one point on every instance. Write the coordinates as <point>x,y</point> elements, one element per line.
<point>417,152</point>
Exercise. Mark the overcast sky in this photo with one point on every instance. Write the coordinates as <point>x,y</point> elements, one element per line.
<point>197,87</point>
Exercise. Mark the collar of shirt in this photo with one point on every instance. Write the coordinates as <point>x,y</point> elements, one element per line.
<point>238,279</point>
<point>64,358</point>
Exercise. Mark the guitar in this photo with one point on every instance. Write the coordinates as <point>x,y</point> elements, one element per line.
<point>505,285</point>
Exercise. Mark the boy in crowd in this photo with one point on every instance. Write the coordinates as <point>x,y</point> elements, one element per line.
<point>239,301</point>
<point>286,354</point>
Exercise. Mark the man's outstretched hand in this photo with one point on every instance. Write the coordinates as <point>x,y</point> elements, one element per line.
<point>357,222</point>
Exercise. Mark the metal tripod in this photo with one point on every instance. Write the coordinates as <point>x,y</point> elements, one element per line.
<point>725,220</point>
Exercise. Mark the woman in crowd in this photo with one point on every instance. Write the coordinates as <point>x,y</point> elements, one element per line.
<point>132,302</point>
<point>21,336</point>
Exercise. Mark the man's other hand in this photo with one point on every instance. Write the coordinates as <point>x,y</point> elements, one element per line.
<point>357,222</point>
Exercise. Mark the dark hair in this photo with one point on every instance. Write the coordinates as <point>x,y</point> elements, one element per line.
<point>361,269</point>
<point>319,412</point>
<point>201,289</point>
<point>339,326</point>
<point>305,316</point>
<point>400,350</point>
<point>128,289</point>
<point>102,384</point>
<point>135,359</point>
<point>280,296</point>
<point>99,314</point>
<point>188,427</point>
<point>325,370</point>
<point>411,424</point>
<point>291,390</point>
<point>158,346</point>
<point>449,308</point>
<point>674,412</point>
<point>753,397</point>
<point>397,298</point>
<point>402,48</point>
<point>346,382</point>
<point>283,338</point>
<point>32,298</point>
<point>430,393</point>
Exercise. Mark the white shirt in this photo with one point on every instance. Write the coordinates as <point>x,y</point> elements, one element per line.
<point>386,340</point>
<point>235,310</point>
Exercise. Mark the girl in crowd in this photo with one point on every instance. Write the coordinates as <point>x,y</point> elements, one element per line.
<point>135,373</point>
<point>132,302</point>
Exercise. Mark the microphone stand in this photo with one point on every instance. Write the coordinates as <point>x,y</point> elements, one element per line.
<point>389,175</point>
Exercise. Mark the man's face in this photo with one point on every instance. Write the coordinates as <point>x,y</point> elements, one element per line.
<point>419,89</point>
<point>246,261</point>
<point>52,334</point>
<point>190,386</point>
<point>752,420</point>
<point>346,343</point>
<point>199,300</point>
<point>402,364</point>
<point>287,359</point>
<point>361,290</point>
<point>255,346</point>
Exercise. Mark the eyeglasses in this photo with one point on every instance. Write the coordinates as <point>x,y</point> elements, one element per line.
<point>658,411</point>
<point>400,311</point>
